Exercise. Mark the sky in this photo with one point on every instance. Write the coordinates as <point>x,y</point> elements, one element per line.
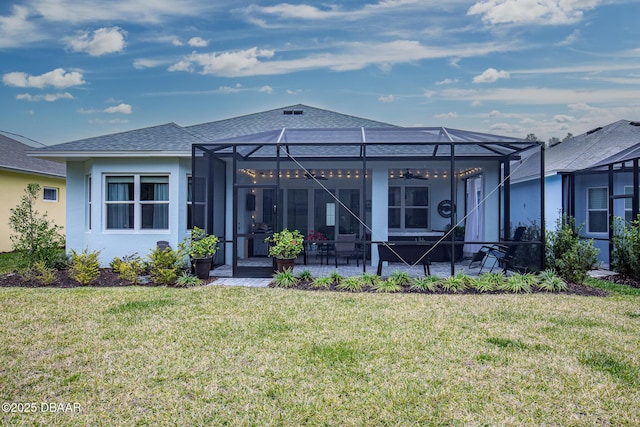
<point>73,69</point>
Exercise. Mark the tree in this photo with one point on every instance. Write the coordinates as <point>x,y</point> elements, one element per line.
<point>38,238</point>
<point>569,135</point>
<point>554,140</point>
<point>532,137</point>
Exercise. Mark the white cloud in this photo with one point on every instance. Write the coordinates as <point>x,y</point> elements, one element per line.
<point>198,42</point>
<point>16,29</point>
<point>387,98</point>
<point>224,64</point>
<point>542,95</point>
<point>294,92</point>
<point>571,38</point>
<point>119,109</point>
<point>142,63</point>
<point>145,11</point>
<point>449,115</point>
<point>101,42</point>
<point>266,89</point>
<point>49,97</point>
<point>58,78</point>
<point>446,82</point>
<point>544,12</point>
<point>177,42</point>
<point>491,75</point>
<point>562,118</point>
<point>350,57</point>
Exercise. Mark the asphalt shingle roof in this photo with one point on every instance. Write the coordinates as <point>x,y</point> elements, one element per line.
<point>175,138</point>
<point>584,151</point>
<point>13,157</point>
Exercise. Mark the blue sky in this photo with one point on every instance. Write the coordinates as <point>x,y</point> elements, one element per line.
<point>72,69</point>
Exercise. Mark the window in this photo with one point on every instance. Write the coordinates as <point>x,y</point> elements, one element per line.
<point>628,203</point>
<point>597,210</point>
<point>50,194</point>
<point>88,202</point>
<point>137,202</point>
<point>409,207</point>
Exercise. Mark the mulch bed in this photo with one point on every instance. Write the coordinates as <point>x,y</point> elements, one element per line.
<point>573,289</point>
<point>107,279</point>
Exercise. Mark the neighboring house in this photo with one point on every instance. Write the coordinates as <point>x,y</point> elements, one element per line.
<point>17,170</point>
<point>298,167</point>
<point>578,182</point>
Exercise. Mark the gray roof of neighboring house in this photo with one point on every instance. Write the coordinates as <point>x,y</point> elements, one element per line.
<point>174,138</point>
<point>584,151</point>
<point>13,157</point>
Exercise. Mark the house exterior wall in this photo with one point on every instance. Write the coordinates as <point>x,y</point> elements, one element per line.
<point>13,185</point>
<point>112,243</point>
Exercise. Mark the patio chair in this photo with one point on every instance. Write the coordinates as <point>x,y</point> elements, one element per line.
<point>345,246</point>
<point>502,255</point>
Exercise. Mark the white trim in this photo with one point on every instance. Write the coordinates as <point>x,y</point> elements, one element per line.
<point>137,204</point>
<point>56,191</point>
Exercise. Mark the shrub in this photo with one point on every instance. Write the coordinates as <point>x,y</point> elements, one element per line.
<point>549,281</point>
<point>44,274</point>
<point>351,284</point>
<point>626,247</point>
<point>36,237</point>
<point>388,286</point>
<point>130,268</point>
<point>489,282</point>
<point>529,255</point>
<point>305,276</point>
<point>457,283</point>
<point>400,278</point>
<point>370,279</point>
<point>187,280</point>
<point>336,277</point>
<point>427,283</point>
<point>519,283</point>
<point>570,256</point>
<point>85,267</point>
<point>322,283</point>
<point>285,279</point>
<point>164,266</point>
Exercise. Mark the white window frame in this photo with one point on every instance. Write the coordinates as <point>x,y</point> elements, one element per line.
<point>89,196</point>
<point>55,190</point>
<point>589,210</point>
<point>402,207</point>
<point>137,204</point>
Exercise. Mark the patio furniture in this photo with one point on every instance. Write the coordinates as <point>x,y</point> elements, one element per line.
<point>409,253</point>
<point>345,247</point>
<point>502,255</point>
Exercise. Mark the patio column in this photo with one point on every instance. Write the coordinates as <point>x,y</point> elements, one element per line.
<point>379,208</point>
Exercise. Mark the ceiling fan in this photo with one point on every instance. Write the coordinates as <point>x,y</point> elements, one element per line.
<point>309,175</point>
<point>410,175</point>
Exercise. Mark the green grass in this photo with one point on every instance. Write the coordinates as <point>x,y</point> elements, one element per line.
<point>246,356</point>
<point>8,262</point>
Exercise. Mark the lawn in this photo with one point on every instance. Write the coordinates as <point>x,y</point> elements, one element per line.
<point>243,356</point>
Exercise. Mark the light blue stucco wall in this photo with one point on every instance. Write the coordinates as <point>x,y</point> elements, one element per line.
<point>113,243</point>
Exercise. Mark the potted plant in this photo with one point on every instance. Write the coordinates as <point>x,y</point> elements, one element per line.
<point>200,247</point>
<point>285,248</point>
<point>313,237</point>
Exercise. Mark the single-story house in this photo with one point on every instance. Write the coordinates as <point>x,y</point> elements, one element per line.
<point>297,167</point>
<point>592,177</point>
<point>17,169</point>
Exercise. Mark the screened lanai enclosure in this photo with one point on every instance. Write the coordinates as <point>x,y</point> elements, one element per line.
<point>359,194</point>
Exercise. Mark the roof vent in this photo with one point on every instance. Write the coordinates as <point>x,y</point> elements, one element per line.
<point>594,130</point>
<point>293,112</point>
<point>634,123</point>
